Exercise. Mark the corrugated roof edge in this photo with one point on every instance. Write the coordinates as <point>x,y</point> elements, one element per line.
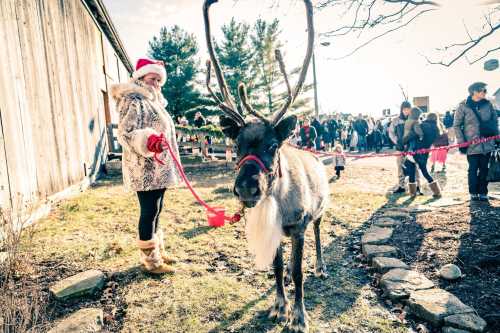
<point>98,10</point>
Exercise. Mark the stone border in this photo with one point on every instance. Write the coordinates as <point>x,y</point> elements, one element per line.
<point>399,283</point>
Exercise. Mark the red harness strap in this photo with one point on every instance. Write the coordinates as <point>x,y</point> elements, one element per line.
<point>259,162</point>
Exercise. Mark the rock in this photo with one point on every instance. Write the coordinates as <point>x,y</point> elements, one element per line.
<point>448,329</point>
<point>83,321</point>
<point>376,235</point>
<point>446,202</point>
<point>384,264</point>
<point>397,214</point>
<point>400,283</point>
<point>434,305</point>
<point>466,321</point>
<point>85,283</point>
<point>371,251</point>
<point>450,272</point>
<point>386,222</point>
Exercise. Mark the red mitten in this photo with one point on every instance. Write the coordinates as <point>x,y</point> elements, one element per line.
<point>155,143</point>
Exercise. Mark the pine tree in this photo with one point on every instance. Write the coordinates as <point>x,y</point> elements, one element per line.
<point>269,82</point>
<point>235,56</point>
<point>178,49</point>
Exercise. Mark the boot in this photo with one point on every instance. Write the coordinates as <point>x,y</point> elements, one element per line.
<point>436,190</point>
<point>151,259</point>
<point>166,258</point>
<point>412,188</point>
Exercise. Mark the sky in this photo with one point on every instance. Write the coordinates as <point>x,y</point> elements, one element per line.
<point>367,81</point>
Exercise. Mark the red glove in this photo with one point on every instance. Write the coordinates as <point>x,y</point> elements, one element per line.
<point>155,143</point>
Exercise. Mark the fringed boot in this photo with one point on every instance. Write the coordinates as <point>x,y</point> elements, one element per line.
<point>150,257</point>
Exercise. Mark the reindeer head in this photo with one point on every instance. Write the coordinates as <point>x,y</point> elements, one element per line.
<point>258,141</point>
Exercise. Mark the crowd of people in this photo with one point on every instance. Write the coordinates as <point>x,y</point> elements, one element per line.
<point>409,132</point>
<point>362,133</point>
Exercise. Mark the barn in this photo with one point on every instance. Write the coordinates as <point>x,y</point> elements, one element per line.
<point>58,60</point>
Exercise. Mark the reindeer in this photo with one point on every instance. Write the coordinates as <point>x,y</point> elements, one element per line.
<point>282,188</point>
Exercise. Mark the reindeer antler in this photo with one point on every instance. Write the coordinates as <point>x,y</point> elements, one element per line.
<point>227,105</point>
<point>242,92</point>
<point>307,60</point>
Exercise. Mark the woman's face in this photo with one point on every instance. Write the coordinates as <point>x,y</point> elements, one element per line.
<point>152,80</point>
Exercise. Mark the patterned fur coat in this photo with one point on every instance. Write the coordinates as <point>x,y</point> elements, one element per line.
<point>142,113</point>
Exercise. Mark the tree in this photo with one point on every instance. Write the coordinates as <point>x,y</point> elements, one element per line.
<point>382,17</point>
<point>269,83</point>
<point>178,50</point>
<point>235,56</point>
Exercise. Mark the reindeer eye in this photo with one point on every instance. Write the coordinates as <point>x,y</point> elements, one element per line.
<point>272,148</point>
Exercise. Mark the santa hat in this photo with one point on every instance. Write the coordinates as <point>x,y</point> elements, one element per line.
<point>146,66</point>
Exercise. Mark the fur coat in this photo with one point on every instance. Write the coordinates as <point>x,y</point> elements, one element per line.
<point>142,113</point>
<point>466,125</point>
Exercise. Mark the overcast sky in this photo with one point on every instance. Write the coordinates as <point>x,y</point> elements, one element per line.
<point>367,81</point>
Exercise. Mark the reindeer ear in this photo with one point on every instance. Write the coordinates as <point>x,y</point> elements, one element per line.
<point>229,127</point>
<point>285,127</point>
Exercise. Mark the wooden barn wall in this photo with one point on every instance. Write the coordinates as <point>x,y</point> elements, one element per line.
<point>52,95</point>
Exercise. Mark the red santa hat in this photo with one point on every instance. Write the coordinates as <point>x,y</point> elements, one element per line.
<point>145,66</point>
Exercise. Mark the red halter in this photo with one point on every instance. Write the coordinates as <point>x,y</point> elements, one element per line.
<point>259,162</point>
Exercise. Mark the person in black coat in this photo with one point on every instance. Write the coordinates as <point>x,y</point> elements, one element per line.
<point>431,131</point>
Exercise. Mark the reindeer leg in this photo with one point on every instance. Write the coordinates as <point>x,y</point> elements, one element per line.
<point>281,308</point>
<point>320,266</point>
<point>299,316</point>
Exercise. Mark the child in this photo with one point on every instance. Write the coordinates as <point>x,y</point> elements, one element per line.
<point>440,156</point>
<point>339,160</point>
<point>412,132</point>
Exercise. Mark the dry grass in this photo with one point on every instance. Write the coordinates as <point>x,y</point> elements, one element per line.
<point>22,306</point>
<point>216,288</point>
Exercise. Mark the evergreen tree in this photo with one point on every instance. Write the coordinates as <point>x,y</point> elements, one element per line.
<point>235,56</point>
<point>265,40</point>
<point>178,49</point>
<point>269,82</point>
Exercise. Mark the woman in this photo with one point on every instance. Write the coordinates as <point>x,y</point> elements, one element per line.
<point>308,135</point>
<point>143,124</point>
<point>430,131</point>
<point>476,118</point>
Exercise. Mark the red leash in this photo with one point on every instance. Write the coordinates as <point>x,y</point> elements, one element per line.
<point>231,219</point>
<point>420,151</point>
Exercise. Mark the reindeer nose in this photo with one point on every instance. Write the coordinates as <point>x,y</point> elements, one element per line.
<point>246,192</point>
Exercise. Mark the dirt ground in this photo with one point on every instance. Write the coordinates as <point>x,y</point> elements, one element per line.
<point>467,236</point>
<point>216,288</point>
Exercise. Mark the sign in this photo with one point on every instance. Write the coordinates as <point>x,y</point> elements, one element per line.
<point>422,103</point>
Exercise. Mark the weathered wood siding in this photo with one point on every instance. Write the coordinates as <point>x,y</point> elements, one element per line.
<point>56,67</point>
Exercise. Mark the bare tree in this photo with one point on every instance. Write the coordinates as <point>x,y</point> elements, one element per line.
<point>490,30</point>
<point>382,17</point>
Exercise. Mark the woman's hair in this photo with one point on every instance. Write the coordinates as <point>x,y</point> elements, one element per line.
<point>338,147</point>
<point>404,105</point>
<point>432,116</point>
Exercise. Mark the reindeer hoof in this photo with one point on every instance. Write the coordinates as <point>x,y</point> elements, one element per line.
<point>280,311</point>
<point>321,272</point>
<point>298,322</point>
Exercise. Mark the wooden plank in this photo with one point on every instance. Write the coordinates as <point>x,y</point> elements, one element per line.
<point>39,104</point>
<point>15,116</point>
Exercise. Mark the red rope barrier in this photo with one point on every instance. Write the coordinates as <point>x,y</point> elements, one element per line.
<point>396,154</point>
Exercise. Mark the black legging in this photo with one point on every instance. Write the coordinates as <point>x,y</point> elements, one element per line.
<point>151,203</point>
<point>421,160</point>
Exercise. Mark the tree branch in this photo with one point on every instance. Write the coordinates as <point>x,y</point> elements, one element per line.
<point>470,45</point>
